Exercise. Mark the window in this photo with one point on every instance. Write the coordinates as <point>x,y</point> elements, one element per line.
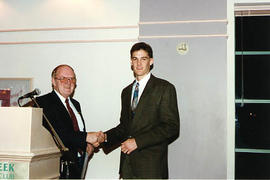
<point>252,93</point>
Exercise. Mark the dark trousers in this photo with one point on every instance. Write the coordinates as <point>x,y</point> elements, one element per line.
<point>71,170</point>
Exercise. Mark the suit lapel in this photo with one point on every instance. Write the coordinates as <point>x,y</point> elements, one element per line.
<point>143,100</point>
<point>129,91</point>
<point>61,107</point>
<point>145,93</point>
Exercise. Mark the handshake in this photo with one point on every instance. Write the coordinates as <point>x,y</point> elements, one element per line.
<point>95,138</point>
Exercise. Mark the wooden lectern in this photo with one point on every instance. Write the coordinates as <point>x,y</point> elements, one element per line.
<point>27,149</point>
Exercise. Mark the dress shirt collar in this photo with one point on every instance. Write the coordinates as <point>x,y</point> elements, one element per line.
<point>143,81</point>
<point>62,98</point>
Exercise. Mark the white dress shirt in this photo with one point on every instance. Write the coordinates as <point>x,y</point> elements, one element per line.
<point>142,84</point>
<point>78,117</point>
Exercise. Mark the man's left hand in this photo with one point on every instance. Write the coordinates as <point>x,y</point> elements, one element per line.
<point>128,146</point>
<point>89,149</point>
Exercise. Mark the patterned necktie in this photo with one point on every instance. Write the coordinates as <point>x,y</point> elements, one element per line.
<point>135,98</point>
<point>73,117</point>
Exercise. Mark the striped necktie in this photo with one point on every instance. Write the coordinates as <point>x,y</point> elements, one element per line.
<point>135,98</point>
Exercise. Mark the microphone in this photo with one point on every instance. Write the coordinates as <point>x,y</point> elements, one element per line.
<point>31,94</point>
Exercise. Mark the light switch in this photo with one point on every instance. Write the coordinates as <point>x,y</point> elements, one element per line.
<point>182,48</point>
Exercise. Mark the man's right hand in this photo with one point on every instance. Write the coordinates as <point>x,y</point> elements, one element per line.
<point>95,138</point>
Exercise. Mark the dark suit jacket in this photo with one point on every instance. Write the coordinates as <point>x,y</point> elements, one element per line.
<point>60,119</point>
<point>154,126</point>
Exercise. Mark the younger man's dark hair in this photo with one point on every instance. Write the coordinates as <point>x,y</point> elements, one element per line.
<point>142,45</point>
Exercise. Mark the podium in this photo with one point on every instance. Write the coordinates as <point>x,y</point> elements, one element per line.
<point>27,149</point>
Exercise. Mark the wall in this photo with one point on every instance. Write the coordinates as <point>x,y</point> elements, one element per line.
<point>93,36</point>
<point>202,79</point>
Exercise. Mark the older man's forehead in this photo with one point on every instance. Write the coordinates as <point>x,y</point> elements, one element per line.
<point>65,69</point>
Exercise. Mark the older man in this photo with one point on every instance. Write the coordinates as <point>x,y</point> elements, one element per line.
<point>64,113</point>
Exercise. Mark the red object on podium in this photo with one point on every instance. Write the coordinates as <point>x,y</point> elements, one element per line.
<point>5,97</point>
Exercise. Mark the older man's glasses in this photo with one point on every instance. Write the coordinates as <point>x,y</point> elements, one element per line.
<point>66,79</point>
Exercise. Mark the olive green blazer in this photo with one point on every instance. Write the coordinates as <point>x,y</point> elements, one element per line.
<point>154,125</point>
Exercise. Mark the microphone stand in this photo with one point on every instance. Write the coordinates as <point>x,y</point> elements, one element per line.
<point>85,165</point>
<point>86,159</point>
<point>67,157</point>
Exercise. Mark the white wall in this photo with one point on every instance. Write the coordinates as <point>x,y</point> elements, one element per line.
<point>37,35</point>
